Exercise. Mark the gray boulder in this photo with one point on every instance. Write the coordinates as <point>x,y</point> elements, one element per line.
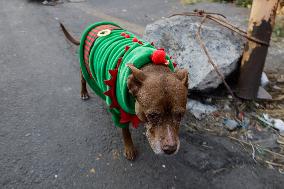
<point>177,35</point>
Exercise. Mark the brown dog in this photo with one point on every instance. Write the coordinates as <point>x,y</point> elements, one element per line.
<point>160,102</point>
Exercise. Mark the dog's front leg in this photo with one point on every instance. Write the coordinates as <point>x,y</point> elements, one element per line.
<point>129,149</point>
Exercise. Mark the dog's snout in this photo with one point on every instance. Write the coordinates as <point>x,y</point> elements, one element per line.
<point>169,149</point>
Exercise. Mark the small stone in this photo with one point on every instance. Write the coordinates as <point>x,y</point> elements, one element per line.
<point>93,170</point>
<point>250,134</point>
<point>76,1</point>
<point>55,176</point>
<point>164,166</point>
<point>226,107</point>
<point>209,100</point>
<point>280,79</point>
<point>276,88</point>
<point>28,134</point>
<point>199,110</point>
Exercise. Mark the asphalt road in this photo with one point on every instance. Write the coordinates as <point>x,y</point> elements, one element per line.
<point>49,138</point>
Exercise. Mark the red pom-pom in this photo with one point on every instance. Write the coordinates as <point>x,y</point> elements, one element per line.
<point>135,39</point>
<point>159,57</point>
<point>127,36</point>
<point>152,43</point>
<point>140,42</point>
<point>123,34</point>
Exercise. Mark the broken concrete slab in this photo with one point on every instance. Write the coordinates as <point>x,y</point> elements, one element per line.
<point>199,110</point>
<point>264,80</point>
<point>177,35</point>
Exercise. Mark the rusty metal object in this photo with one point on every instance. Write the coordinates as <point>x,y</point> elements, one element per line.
<point>261,23</point>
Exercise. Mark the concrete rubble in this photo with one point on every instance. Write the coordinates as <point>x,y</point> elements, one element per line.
<point>199,110</point>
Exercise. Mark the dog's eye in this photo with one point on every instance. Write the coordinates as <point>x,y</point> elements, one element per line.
<point>153,117</point>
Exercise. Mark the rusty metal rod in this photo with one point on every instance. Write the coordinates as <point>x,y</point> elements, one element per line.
<point>260,26</point>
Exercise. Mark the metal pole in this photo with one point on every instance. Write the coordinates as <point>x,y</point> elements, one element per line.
<point>260,26</point>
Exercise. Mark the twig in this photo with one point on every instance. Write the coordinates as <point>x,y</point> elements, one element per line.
<point>253,152</point>
<point>225,23</point>
<point>197,12</point>
<point>237,30</point>
<point>264,149</point>
<point>275,164</point>
<point>213,64</point>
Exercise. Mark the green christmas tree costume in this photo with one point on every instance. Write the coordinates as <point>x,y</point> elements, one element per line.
<point>105,49</point>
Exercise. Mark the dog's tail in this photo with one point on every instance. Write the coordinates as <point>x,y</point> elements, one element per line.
<point>68,35</point>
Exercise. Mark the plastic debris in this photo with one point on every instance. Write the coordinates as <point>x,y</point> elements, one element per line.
<point>275,123</point>
<point>243,121</point>
<point>231,124</point>
<point>240,122</point>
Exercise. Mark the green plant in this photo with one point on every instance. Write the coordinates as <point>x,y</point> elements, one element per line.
<point>278,30</point>
<point>244,3</point>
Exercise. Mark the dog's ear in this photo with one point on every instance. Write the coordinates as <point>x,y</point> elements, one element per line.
<point>138,74</point>
<point>182,74</point>
<point>135,80</point>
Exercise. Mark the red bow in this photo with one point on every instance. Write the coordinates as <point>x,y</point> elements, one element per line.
<point>126,118</point>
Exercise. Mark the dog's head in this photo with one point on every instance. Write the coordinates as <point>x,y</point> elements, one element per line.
<point>161,97</point>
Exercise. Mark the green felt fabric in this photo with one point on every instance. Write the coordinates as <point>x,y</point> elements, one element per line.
<point>104,56</point>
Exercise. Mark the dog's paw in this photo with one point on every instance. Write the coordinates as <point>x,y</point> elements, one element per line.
<point>85,96</point>
<point>130,153</point>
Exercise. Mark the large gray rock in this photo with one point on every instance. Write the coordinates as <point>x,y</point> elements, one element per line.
<point>178,36</point>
